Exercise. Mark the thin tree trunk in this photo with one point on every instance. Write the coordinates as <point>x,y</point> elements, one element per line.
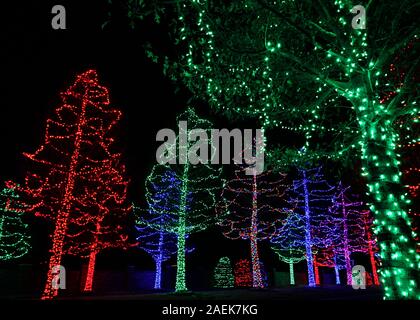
<point>90,271</point>
<point>337,271</point>
<point>158,273</point>
<point>50,291</point>
<point>308,237</point>
<point>256,269</point>
<point>62,216</point>
<point>371,255</point>
<point>291,273</point>
<point>180,271</point>
<point>346,242</point>
<point>316,270</point>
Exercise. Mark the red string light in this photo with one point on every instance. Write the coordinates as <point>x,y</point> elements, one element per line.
<point>243,275</point>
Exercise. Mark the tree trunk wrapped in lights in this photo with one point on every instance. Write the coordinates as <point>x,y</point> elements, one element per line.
<point>253,203</point>
<point>315,69</point>
<point>371,247</point>
<point>160,245</point>
<point>79,181</point>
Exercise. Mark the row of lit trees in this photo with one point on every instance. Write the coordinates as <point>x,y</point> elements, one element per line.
<point>80,185</point>
<point>313,219</point>
<point>315,69</point>
<point>76,162</point>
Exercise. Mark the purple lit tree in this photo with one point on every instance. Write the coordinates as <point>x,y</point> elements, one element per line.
<point>351,227</point>
<point>352,230</point>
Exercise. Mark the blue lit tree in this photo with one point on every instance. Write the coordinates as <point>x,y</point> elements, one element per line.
<point>163,200</point>
<point>160,245</point>
<point>289,243</point>
<point>311,196</point>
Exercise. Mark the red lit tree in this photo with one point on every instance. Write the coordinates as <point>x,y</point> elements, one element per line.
<point>100,223</point>
<point>371,244</point>
<point>329,258</point>
<point>79,181</point>
<point>242,272</point>
<point>253,205</point>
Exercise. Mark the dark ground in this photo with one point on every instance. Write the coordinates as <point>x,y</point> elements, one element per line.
<point>330,293</point>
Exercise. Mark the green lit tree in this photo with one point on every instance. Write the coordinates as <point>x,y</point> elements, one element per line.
<point>319,70</point>
<point>14,232</point>
<point>223,274</point>
<point>192,188</point>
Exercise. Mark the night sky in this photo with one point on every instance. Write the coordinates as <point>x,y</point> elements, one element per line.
<point>37,63</point>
